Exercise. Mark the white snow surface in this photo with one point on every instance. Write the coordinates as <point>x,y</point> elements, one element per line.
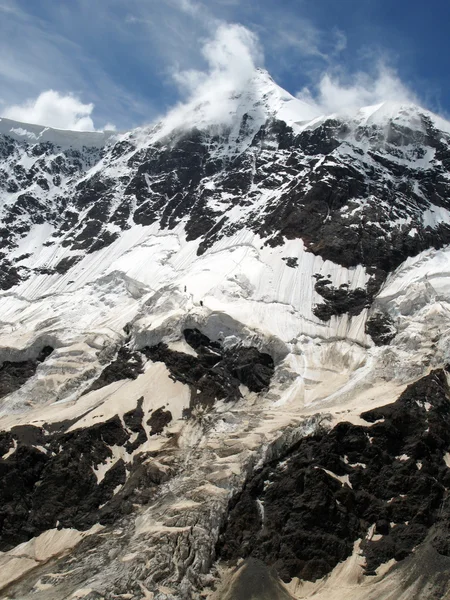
<point>247,290</point>
<point>60,137</point>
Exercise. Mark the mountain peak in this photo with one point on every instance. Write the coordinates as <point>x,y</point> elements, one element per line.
<point>223,104</point>
<point>257,98</point>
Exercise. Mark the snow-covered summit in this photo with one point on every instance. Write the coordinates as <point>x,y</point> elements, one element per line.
<point>258,98</point>
<point>399,113</point>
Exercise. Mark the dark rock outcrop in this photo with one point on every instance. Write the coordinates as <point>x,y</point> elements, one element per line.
<point>215,373</point>
<point>66,263</point>
<point>381,328</point>
<point>302,513</point>
<point>14,374</point>
<point>127,365</point>
<point>159,419</point>
<point>291,261</point>
<point>340,300</point>
<point>133,419</point>
<point>48,479</point>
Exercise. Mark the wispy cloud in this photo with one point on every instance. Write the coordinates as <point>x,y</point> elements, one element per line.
<point>233,51</point>
<point>232,54</point>
<point>341,93</point>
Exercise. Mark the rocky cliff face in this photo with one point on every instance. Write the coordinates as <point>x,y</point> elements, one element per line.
<point>224,350</point>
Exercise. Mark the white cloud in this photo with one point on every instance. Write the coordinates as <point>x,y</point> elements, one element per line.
<point>190,7</point>
<point>232,55</point>
<point>53,109</point>
<point>337,94</point>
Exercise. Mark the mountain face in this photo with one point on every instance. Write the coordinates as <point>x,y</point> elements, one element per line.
<point>224,355</point>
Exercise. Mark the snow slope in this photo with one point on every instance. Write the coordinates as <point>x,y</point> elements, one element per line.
<point>264,227</point>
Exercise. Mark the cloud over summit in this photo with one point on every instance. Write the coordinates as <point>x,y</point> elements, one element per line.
<point>335,93</point>
<point>232,53</point>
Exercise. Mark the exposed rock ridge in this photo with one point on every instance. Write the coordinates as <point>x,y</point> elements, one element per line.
<point>387,483</point>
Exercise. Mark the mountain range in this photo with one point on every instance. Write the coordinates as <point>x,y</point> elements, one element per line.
<point>224,355</point>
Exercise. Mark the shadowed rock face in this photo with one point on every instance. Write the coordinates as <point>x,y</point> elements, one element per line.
<point>339,300</point>
<point>159,419</point>
<point>66,263</point>
<point>127,365</point>
<point>254,581</point>
<point>215,373</point>
<point>381,328</point>
<point>14,374</point>
<point>299,517</point>
<point>48,479</point>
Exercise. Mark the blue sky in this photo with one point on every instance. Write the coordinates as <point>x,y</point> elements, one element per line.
<point>87,63</point>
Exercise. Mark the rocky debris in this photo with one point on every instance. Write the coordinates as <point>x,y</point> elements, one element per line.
<point>302,513</point>
<point>14,374</point>
<point>381,328</point>
<point>127,365</point>
<point>215,373</point>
